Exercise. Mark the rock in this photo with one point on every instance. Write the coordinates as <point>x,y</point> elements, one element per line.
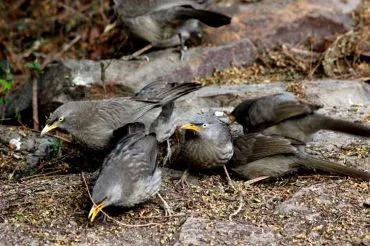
<point>270,23</point>
<point>198,231</point>
<point>35,148</point>
<point>77,80</point>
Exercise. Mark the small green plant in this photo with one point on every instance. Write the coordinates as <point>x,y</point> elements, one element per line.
<point>34,66</point>
<point>6,80</point>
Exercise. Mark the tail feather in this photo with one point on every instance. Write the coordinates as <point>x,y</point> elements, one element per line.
<point>344,126</point>
<point>329,166</point>
<point>178,91</point>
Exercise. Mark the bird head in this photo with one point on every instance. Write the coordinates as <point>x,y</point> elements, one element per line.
<point>205,126</point>
<point>64,118</point>
<point>104,195</point>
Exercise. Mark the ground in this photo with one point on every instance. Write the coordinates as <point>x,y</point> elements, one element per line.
<point>48,202</point>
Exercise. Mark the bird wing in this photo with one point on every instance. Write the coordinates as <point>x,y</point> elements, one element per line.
<point>261,113</point>
<point>253,147</point>
<point>134,8</point>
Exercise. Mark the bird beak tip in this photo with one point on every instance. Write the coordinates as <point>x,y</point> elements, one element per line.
<point>48,128</point>
<point>190,127</point>
<point>94,211</point>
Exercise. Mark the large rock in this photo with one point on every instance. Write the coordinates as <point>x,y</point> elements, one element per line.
<point>77,80</point>
<point>270,23</point>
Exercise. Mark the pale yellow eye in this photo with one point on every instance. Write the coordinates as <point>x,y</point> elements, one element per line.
<point>61,119</point>
<point>205,125</point>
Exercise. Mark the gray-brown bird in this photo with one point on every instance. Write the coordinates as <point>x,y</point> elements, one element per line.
<point>166,23</point>
<point>129,174</point>
<point>206,144</point>
<point>92,123</point>
<point>285,115</point>
<point>257,155</point>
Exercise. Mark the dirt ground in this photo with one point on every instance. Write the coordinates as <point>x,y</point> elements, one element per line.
<point>49,204</point>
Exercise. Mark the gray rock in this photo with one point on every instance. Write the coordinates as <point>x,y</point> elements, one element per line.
<point>198,231</point>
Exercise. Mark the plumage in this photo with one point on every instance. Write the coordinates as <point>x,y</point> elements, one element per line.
<point>208,147</point>
<point>165,23</point>
<point>285,115</point>
<point>257,155</point>
<point>92,123</point>
<point>129,174</point>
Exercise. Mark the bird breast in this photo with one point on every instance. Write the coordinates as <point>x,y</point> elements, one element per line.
<point>207,154</point>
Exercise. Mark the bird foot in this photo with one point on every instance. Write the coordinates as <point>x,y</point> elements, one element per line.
<point>168,155</point>
<point>133,57</point>
<point>167,209</point>
<point>229,180</point>
<point>183,180</point>
<point>183,53</point>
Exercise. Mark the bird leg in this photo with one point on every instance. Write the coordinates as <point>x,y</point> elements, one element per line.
<point>138,54</point>
<point>183,179</point>
<point>255,180</point>
<point>183,48</point>
<point>229,181</point>
<point>167,209</point>
<point>169,153</point>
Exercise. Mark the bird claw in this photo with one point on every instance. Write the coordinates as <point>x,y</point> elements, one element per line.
<point>167,209</point>
<point>183,180</point>
<point>168,155</point>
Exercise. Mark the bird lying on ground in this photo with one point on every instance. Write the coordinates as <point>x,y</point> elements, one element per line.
<point>257,155</point>
<point>92,123</point>
<point>166,23</point>
<point>285,115</point>
<point>129,174</point>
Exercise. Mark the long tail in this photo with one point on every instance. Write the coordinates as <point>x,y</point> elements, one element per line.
<point>327,123</point>
<point>329,166</point>
<point>177,92</point>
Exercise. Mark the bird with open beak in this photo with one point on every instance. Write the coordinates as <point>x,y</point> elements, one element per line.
<point>92,123</point>
<point>207,144</point>
<point>129,174</point>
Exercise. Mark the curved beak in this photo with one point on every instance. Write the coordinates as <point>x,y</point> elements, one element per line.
<point>191,127</point>
<point>94,211</point>
<point>48,128</point>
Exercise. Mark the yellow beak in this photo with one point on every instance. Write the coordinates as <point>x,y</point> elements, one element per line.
<point>94,211</point>
<point>48,128</point>
<point>191,127</point>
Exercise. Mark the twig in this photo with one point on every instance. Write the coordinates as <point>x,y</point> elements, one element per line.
<point>39,175</point>
<point>35,111</point>
<point>241,203</point>
<point>64,49</point>
<point>109,217</point>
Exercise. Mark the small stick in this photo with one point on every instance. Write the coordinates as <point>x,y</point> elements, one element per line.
<point>109,217</point>
<point>241,203</point>
<point>35,111</point>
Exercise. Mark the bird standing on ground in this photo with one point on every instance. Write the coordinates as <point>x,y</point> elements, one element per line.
<point>166,23</point>
<point>285,115</point>
<point>129,174</point>
<point>92,123</point>
<point>257,155</point>
<point>207,144</point>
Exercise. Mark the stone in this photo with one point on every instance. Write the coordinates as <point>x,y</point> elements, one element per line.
<point>199,231</point>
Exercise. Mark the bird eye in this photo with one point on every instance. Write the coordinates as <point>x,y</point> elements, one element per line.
<point>205,125</point>
<point>61,119</point>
